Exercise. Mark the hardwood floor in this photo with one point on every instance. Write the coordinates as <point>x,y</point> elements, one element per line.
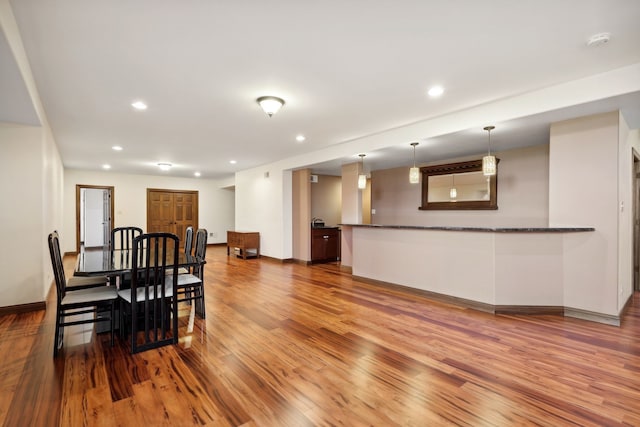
<point>291,345</point>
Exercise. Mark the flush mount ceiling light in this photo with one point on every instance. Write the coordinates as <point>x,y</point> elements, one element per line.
<point>139,105</point>
<point>598,39</point>
<point>414,172</point>
<point>233,162</point>
<point>362,177</point>
<point>489,161</point>
<point>270,104</point>
<point>197,174</point>
<point>116,148</point>
<point>107,167</point>
<point>300,138</point>
<point>164,166</point>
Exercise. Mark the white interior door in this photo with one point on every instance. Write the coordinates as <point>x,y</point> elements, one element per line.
<point>94,217</point>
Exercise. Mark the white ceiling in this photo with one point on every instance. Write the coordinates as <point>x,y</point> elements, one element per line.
<point>345,69</point>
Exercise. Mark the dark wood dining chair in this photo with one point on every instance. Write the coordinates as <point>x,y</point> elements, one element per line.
<point>122,240</point>
<point>82,282</point>
<point>188,240</point>
<point>72,307</point>
<point>191,286</point>
<point>122,237</point>
<point>149,307</point>
<point>188,247</point>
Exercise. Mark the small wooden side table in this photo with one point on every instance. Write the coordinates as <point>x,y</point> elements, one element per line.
<point>243,240</point>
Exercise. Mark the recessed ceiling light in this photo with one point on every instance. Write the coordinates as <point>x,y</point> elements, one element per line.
<point>196,173</point>
<point>106,166</point>
<point>116,148</point>
<point>233,162</point>
<point>164,166</point>
<point>139,105</point>
<point>300,138</point>
<point>436,91</point>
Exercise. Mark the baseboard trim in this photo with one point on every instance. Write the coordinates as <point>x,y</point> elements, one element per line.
<point>447,299</point>
<point>500,309</point>
<point>73,253</point>
<point>346,269</point>
<point>577,313</point>
<point>529,309</point>
<point>626,306</point>
<point>23,308</point>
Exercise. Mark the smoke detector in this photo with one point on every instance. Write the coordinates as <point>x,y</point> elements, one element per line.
<point>598,39</point>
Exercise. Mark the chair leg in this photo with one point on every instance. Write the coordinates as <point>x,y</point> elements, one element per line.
<point>113,320</point>
<point>200,303</point>
<point>57,341</point>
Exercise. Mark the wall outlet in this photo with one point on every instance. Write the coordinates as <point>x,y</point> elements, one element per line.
<point>214,234</point>
<point>373,211</point>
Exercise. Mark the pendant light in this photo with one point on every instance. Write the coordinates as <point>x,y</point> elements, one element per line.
<point>414,172</point>
<point>362,178</point>
<point>489,161</point>
<point>453,193</point>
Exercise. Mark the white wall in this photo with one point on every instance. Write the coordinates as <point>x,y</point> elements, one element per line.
<point>52,202</point>
<point>31,177</point>
<point>583,191</point>
<point>263,204</point>
<point>216,210</point>
<point>523,196</point>
<point>628,140</point>
<point>21,256</point>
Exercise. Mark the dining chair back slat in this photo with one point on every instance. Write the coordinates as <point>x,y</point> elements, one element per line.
<point>150,303</point>
<point>78,303</point>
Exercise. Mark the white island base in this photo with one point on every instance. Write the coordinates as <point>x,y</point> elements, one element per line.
<point>501,270</point>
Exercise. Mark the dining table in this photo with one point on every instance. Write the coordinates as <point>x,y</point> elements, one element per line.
<point>104,261</point>
<point>114,263</point>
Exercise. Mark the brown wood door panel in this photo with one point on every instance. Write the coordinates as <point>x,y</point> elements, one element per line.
<point>171,211</point>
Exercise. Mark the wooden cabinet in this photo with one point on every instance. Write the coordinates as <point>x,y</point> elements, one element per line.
<point>325,244</point>
<point>244,241</point>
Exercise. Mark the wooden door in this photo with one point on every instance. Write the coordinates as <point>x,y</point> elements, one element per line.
<point>184,212</point>
<point>171,211</point>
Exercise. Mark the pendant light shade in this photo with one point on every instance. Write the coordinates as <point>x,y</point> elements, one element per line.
<point>270,104</point>
<point>453,193</point>
<point>414,172</point>
<point>489,161</point>
<point>362,177</point>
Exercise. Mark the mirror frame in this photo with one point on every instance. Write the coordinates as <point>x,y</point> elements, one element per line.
<point>460,167</point>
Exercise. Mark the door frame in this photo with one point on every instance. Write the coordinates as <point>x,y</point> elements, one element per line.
<point>636,218</point>
<point>79,187</point>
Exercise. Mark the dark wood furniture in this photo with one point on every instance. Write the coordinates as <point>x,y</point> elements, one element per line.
<point>325,244</point>
<point>244,241</point>
<point>107,262</point>
<point>72,306</point>
<point>150,306</point>
<point>191,285</point>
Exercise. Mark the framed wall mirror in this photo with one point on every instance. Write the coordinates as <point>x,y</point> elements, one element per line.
<point>458,186</point>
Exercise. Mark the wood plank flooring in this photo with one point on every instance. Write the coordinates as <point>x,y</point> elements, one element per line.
<point>291,345</point>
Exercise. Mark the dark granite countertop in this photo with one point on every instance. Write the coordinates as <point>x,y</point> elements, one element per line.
<point>481,229</point>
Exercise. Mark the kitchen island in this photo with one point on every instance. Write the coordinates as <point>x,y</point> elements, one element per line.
<point>500,270</point>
